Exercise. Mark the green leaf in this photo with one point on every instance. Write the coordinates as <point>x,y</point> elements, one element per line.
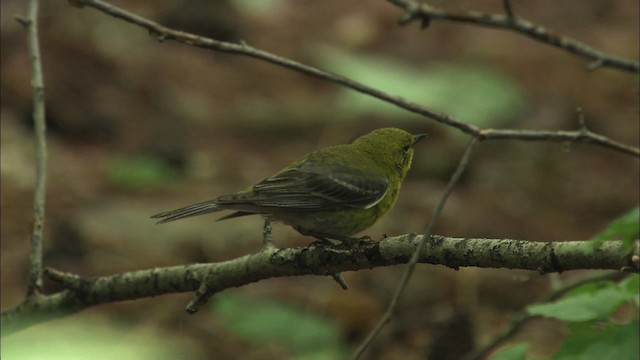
<point>582,307</point>
<point>302,333</point>
<point>631,286</point>
<point>589,341</point>
<point>581,335</point>
<point>625,227</point>
<point>511,352</point>
<point>587,308</point>
<point>589,288</point>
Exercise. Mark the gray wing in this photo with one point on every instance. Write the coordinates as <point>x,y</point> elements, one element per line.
<point>312,188</point>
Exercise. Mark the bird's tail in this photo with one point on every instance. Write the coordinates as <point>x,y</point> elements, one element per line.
<point>187,211</point>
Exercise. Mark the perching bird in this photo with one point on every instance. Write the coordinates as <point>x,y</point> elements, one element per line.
<point>331,193</point>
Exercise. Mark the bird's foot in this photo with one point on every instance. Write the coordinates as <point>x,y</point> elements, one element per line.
<point>267,238</point>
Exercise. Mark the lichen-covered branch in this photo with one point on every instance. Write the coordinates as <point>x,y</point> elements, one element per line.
<point>84,292</point>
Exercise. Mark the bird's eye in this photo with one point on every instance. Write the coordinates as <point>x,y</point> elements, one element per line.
<point>406,147</point>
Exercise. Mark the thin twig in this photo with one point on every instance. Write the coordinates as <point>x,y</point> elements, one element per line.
<point>37,82</point>
<point>415,10</point>
<point>391,309</point>
<point>506,4</point>
<point>163,33</point>
<point>581,135</point>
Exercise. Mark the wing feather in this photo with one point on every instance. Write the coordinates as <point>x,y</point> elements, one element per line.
<point>311,188</point>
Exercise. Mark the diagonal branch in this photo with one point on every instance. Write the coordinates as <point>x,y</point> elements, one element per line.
<point>82,293</point>
<point>391,308</point>
<point>415,10</point>
<point>163,33</point>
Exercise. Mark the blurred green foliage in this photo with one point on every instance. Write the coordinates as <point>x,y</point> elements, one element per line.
<point>93,337</point>
<point>262,8</point>
<point>608,341</point>
<point>303,334</point>
<point>470,93</point>
<point>140,173</point>
<point>511,352</point>
<point>625,228</point>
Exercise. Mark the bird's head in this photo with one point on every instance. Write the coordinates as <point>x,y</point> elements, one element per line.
<point>392,148</point>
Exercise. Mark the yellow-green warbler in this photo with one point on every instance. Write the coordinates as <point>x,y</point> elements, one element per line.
<point>331,193</point>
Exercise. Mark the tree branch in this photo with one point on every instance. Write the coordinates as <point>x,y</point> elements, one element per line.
<point>37,83</point>
<point>543,257</point>
<point>163,33</point>
<point>415,10</point>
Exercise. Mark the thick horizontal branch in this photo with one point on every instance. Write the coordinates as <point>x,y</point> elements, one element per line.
<point>415,10</point>
<point>543,257</point>
<point>163,33</point>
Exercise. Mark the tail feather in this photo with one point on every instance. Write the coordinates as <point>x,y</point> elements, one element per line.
<point>236,214</point>
<point>187,211</point>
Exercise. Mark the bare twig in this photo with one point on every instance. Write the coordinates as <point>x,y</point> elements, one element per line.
<point>391,309</point>
<point>581,135</point>
<point>163,33</point>
<point>415,10</point>
<point>37,82</point>
<point>506,4</point>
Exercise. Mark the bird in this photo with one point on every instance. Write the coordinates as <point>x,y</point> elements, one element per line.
<point>330,193</point>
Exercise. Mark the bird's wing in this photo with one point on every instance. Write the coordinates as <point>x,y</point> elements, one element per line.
<point>314,188</point>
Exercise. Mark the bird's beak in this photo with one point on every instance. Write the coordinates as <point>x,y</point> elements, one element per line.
<point>418,137</point>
